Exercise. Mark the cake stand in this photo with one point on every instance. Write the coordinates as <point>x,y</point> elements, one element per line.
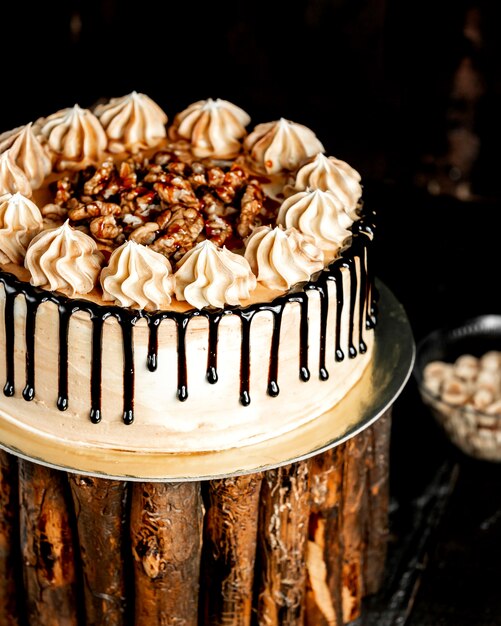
<point>287,531</point>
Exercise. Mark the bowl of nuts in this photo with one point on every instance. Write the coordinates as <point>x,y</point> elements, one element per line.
<point>458,373</point>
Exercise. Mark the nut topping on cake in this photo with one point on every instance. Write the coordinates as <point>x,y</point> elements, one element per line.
<point>133,122</point>
<point>281,258</point>
<point>28,154</point>
<point>214,128</point>
<point>138,277</point>
<point>212,276</point>
<point>283,145</point>
<point>64,259</point>
<point>171,203</point>
<point>20,221</point>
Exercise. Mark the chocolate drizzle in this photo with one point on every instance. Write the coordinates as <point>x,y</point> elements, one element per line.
<point>362,291</point>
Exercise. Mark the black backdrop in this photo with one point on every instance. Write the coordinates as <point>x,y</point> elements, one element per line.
<point>373,78</point>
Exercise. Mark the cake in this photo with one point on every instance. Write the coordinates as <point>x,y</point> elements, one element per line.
<point>180,285</point>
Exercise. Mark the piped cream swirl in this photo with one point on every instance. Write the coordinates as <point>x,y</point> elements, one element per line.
<point>20,221</point>
<point>281,258</point>
<point>214,128</point>
<point>133,122</point>
<point>319,214</point>
<point>12,177</point>
<point>64,259</point>
<point>330,174</point>
<point>138,277</point>
<point>28,154</point>
<point>74,136</point>
<point>212,276</point>
<point>282,145</point>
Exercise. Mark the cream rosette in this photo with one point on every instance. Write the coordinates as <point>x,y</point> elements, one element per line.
<point>64,259</point>
<point>281,258</point>
<point>214,128</point>
<point>212,276</point>
<point>319,214</point>
<point>28,154</point>
<point>275,147</point>
<point>74,136</point>
<point>330,174</point>
<point>20,221</point>
<point>138,277</point>
<point>12,178</point>
<point>133,122</point>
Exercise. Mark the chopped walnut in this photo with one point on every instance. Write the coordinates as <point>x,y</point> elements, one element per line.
<point>176,190</point>
<point>252,206</point>
<point>105,228</point>
<point>145,234</point>
<point>180,234</point>
<point>103,178</point>
<point>218,229</point>
<point>169,202</point>
<point>64,190</point>
<point>94,209</point>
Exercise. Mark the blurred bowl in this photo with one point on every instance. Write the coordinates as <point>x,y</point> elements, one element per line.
<point>465,401</point>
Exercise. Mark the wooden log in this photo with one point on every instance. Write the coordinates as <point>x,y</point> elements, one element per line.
<point>100,514</point>
<point>378,491</point>
<point>9,545</point>
<point>229,550</point>
<point>166,533</point>
<point>324,558</point>
<point>46,546</point>
<point>283,535</point>
<point>354,511</point>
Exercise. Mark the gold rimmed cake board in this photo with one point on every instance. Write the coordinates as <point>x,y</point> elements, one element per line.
<point>290,531</point>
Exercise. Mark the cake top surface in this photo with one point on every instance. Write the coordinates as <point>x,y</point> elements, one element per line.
<point>119,205</point>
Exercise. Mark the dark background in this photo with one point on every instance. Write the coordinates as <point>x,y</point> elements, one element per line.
<point>407,92</point>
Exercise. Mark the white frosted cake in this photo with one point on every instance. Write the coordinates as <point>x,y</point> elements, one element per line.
<point>178,286</point>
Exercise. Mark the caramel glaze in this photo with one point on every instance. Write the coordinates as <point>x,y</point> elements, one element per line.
<point>127,318</point>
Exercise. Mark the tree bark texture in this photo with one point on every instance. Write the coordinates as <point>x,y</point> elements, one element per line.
<point>47,546</point>
<point>283,535</point>
<point>100,513</point>
<point>378,494</point>
<point>166,535</point>
<point>9,532</point>
<point>229,550</point>
<point>325,548</point>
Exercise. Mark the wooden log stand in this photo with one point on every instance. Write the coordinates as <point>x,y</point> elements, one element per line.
<point>298,544</point>
<point>293,533</point>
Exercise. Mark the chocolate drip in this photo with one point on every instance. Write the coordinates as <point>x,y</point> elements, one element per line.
<point>64,322</point>
<point>152,358</point>
<point>128,348</point>
<point>96,369</point>
<point>349,263</point>
<point>212,348</point>
<point>336,276</point>
<point>10,296</point>
<point>246,319</point>
<point>32,304</point>
<point>324,310</point>
<point>127,318</point>
<point>273,388</point>
<point>182,376</point>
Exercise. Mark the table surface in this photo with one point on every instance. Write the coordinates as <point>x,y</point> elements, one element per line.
<point>445,516</point>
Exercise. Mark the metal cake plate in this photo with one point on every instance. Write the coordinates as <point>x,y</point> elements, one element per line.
<point>376,391</point>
